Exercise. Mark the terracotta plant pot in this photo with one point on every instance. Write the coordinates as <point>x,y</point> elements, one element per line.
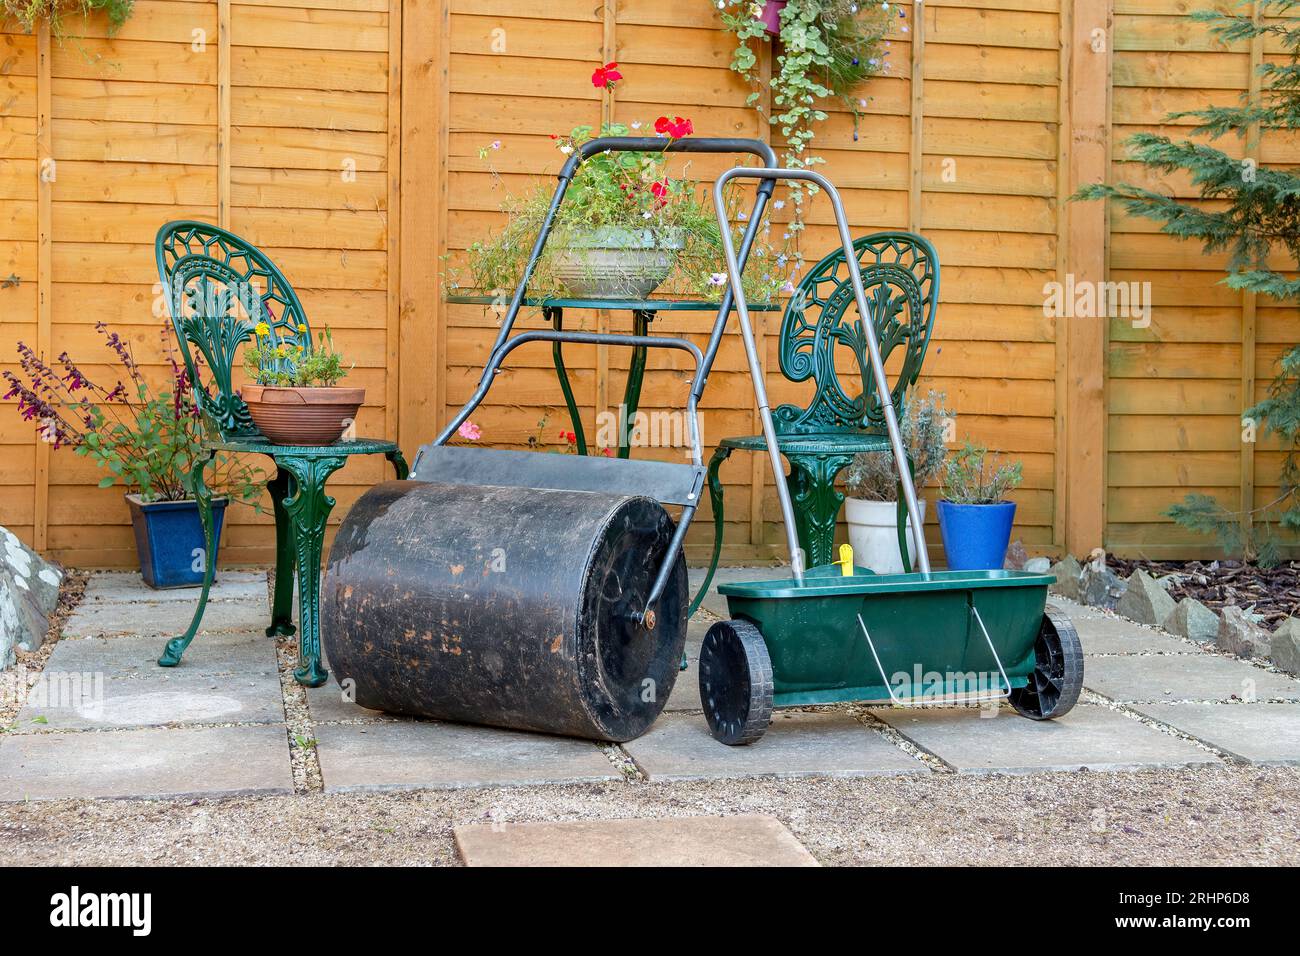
<point>289,415</point>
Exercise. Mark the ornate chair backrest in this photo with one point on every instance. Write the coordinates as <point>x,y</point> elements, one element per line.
<point>219,288</point>
<point>900,273</point>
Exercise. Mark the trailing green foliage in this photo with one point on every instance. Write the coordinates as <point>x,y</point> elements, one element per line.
<point>828,49</point>
<point>631,192</point>
<point>973,476</point>
<point>1254,213</point>
<point>29,13</point>
<point>871,475</point>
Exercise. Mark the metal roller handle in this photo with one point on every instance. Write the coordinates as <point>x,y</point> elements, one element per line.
<point>756,368</point>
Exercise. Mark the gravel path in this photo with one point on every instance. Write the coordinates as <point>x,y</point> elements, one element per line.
<point>1224,816</point>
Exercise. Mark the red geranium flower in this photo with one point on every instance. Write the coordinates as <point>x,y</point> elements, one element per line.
<point>606,76</point>
<point>676,128</point>
<point>660,191</point>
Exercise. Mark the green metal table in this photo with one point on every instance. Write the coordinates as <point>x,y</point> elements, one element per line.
<point>643,313</point>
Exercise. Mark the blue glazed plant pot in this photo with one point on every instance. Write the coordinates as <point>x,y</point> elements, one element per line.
<point>169,540</point>
<point>975,537</point>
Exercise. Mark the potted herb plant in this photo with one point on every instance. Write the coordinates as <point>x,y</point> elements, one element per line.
<point>295,398</point>
<point>147,439</point>
<point>871,485</point>
<point>629,223</point>
<point>974,516</point>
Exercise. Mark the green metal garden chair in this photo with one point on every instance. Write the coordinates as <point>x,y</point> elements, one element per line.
<point>900,272</point>
<point>218,288</point>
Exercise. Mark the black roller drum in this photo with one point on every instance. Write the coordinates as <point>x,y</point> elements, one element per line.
<point>504,606</point>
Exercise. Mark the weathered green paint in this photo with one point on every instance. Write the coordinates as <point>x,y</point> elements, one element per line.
<point>922,627</point>
<point>218,288</point>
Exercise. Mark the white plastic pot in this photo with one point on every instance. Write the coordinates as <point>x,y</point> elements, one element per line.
<point>873,532</point>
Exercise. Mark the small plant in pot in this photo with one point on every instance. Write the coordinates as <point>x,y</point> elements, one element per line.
<point>295,398</point>
<point>630,223</point>
<point>871,485</point>
<point>974,516</point>
<point>147,439</point>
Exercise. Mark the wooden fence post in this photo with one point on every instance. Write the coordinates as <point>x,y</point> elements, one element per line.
<point>421,324</point>
<point>1086,254</point>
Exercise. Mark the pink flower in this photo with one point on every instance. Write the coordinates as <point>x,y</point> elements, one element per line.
<point>469,431</point>
<point>606,76</point>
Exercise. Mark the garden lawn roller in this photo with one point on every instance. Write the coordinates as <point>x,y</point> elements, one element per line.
<point>521,589</point>
<point>841,633</point>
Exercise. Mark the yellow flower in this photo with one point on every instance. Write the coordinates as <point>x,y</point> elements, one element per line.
<point>302,327</point>
<point>300,349</point>
<point>263,329</point>
<point>283,349</point>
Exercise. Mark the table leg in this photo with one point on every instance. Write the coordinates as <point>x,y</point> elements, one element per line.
<point>641,320</point>
<point>556,317</point>
<point>309,508</point>
<point>282,602</point>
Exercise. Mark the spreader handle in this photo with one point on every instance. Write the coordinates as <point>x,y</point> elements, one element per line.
<point>756,368</point>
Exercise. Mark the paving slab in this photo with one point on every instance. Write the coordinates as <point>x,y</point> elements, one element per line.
<point>798,744</point>
<point>1260,733</point>
<point>685,695</point>
<point>743,840</point>
<point>120,587</point>
<point>163,618</point>
<point>179,762</point>
<point>1074,610</point>
<point>81,701</point>
<point>1191,677</point>
<point>327,703</point>
<point>244,653</point>
<point>1110,635</point>
<point>411,754</point>
<point>714,602</point>
<point>1094,737</point>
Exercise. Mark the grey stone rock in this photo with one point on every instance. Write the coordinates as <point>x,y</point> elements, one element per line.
<point>1144,600</point>
<point>1067,571</point>
<point>1193,620</point>
<point>1100,587</point>
<point>1016,556</point>
<point>1284,646</point>
<point>29,593</point>
<point>1038,565</point>
<point>1239,635</point>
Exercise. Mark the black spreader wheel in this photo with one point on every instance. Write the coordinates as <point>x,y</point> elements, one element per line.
<point>1054,686</point>
<point>736,682</point>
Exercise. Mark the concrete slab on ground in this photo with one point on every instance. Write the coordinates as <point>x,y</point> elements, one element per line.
<point>1113,635</point>
<point>163,618</point>
<point>1260,733</point>
<point>173,762</point>
<point>1190,677</point>
<point>410,754</point>
<point>685,696</point>
<point>1089,736</point>
<point>1074,610</point>
<point>745,840</point>
<point>245,653</point>
<point>327,703</point>
<point>714,602</point>
<point>798,744</point>
<point>120,587</point>
<point>80,702</point>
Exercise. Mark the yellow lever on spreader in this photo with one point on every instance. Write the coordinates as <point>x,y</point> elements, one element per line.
<point>846,560</point>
